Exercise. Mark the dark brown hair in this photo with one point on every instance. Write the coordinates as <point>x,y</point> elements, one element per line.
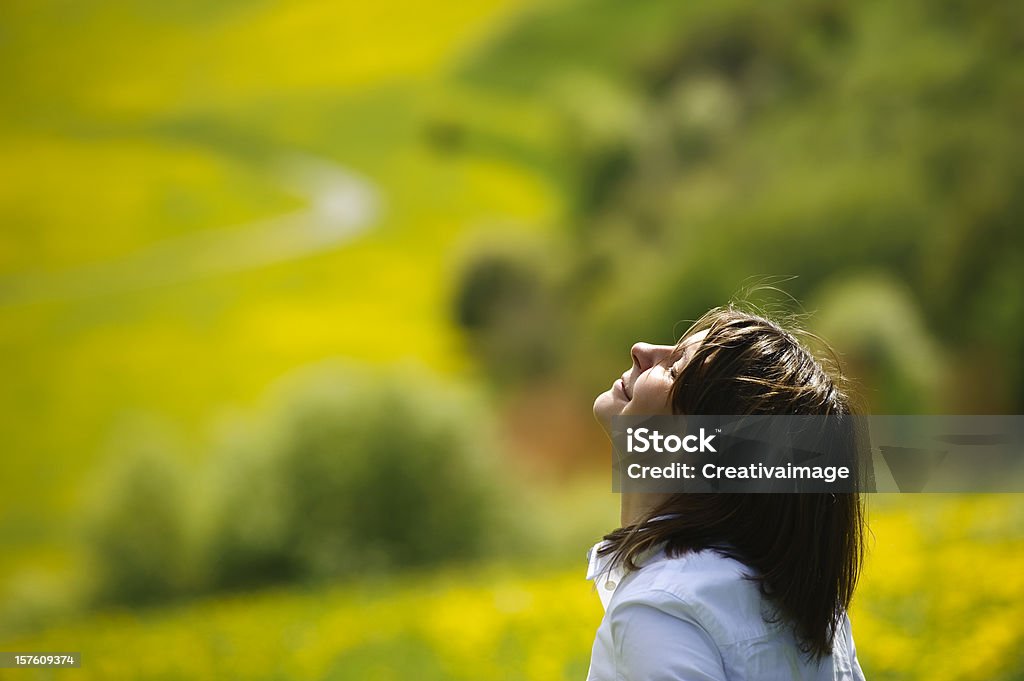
<point>805,549</point>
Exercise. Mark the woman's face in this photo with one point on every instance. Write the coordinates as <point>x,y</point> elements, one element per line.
<point>644,389</point>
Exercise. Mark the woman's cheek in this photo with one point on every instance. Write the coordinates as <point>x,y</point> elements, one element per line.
<point>649,399</point>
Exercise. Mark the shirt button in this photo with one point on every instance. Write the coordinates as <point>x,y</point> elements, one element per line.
<point>609,585</point>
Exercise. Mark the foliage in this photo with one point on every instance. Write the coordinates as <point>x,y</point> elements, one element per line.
<point>381,472</point>
<point>247,520</point>
<point>136,527</point>
<point>706,143</point>
<point>367,472</point>
<point>884,342</point>
<point>504,307</point>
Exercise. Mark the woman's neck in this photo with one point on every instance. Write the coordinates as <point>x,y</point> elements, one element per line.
<point>633,507</point>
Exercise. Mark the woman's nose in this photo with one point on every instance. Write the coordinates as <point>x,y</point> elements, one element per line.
<point>646,355</point>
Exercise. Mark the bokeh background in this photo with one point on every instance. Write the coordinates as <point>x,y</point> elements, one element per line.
<point>303,306</point>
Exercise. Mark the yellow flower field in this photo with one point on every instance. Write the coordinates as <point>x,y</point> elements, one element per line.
<point>942,598</point>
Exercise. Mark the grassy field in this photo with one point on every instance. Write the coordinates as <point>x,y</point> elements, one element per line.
<point>134,136</point>
<point>942,598</point>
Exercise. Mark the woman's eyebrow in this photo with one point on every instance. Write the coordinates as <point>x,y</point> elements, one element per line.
<point>683,345</point>
<point>678,353</point>
<point>683,348</point>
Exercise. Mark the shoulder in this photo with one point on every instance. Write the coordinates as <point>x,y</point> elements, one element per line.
<point>706,588</point>
<point>703,612</point>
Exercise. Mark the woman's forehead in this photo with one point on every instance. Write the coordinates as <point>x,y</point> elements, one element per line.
<point>688,345</point>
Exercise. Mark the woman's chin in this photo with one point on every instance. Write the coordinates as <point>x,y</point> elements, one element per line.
<point>605,407</point>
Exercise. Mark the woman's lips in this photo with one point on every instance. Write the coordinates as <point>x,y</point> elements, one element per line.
<point>621,385</point>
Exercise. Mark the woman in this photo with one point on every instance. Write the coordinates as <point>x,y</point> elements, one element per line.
<point>727,586</point>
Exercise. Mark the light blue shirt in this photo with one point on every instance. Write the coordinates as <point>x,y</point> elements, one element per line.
<point>696,618</point>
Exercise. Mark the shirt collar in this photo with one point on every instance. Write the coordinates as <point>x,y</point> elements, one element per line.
<point>606,578</point>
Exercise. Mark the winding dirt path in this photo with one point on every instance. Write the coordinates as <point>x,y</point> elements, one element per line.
<point>341,206</point>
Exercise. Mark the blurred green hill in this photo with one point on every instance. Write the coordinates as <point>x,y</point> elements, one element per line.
<point>153,260</point>
<point>869,150</point>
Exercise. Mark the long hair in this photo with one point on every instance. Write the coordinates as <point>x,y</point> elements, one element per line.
<point>805,549</point>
